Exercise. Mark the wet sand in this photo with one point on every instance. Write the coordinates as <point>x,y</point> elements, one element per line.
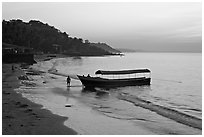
<point>88,116</point>
<point>83,118</point>
<point>22,117</point>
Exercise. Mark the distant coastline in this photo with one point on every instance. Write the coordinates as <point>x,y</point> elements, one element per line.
<point>123,50</point>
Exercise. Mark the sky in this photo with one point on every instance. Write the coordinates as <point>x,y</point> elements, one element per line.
<point>146,26</point>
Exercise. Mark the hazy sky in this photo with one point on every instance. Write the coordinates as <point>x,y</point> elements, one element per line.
<point>146,26</point>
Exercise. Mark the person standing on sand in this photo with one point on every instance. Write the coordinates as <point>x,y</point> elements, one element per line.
<point>12,68</point>
<point>68,81</point>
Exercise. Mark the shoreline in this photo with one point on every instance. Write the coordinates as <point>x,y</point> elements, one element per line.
<point>94,122</point>
<point>23,117</point>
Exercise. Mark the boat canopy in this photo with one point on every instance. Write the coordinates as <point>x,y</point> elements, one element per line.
<point>122,72</point>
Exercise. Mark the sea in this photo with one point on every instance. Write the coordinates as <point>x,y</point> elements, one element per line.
<point>175,91</point>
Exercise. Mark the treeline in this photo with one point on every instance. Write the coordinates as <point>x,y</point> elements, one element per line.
<point>44,38</point>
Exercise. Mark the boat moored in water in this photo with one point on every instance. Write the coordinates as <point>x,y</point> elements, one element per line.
<point>91,82</point>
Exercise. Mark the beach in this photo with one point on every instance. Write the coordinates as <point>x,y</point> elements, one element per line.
<point>22,117</point>
<point>38,102</point>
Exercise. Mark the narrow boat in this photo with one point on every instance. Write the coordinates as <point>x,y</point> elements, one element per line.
<point>133,78</point>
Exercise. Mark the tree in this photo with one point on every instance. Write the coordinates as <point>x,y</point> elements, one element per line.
<point>41,37</point>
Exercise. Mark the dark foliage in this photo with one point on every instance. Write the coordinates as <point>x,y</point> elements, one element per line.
<point>44,38</point>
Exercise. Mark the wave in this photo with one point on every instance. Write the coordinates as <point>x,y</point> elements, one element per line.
<point>164,111</point>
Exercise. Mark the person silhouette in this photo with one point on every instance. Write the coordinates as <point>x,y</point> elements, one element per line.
<point>68,81</point>
<point>12,68</point>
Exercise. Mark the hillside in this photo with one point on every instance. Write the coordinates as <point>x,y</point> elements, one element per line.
<point>44,38</point>
<point>105,47</point>
<point>127,50</point>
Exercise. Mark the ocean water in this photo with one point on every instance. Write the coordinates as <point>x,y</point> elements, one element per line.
<point>176,85</point>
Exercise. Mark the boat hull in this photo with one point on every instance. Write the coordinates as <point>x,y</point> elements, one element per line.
<point>90,82</point>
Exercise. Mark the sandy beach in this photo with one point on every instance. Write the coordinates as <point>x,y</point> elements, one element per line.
<point>87,113</point>
<point>22,117</point>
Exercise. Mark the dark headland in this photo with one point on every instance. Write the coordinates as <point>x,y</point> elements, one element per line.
<point>21,42</point>
<point>41,38</point>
